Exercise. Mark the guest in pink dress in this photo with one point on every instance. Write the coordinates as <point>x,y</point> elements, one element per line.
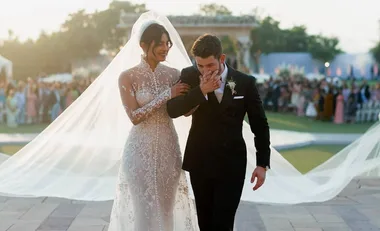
<point>339,109</point>
<point>31,106</point>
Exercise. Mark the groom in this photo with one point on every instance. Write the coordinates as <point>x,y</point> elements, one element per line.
<point>215,154</point>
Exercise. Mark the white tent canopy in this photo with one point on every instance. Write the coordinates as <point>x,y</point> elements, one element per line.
<point>62,78</point>
<point>261,78</point>
<point>7,64</point>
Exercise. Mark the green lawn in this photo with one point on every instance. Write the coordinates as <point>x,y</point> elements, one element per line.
<point>10,149</point>
<point>302,124</point>
<point>304,159</point>
<point>35,128</point>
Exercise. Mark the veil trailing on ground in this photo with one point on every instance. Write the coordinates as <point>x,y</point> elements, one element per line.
<point>78,155</point>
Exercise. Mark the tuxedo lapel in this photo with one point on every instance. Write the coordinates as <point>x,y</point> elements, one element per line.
<point>227,93</point>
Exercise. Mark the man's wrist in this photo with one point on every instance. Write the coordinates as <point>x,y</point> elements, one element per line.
<point>266,168</point>
<point>203,91</point>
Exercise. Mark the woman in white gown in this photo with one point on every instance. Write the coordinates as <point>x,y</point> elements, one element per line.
<point>152,188</point>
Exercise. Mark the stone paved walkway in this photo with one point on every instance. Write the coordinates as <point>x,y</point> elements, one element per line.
<point>356,208</point>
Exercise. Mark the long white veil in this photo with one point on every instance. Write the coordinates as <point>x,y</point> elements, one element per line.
<point>77,156</point>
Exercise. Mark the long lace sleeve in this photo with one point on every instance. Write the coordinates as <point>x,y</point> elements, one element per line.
<point>136,113</point>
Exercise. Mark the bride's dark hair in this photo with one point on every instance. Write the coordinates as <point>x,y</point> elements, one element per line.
<point>154,33</point>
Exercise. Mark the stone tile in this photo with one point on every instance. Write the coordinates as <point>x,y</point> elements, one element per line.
<point>278,229</point>
<point>308,218</point>
<point>295,209</point>
<point>327,218</point>
<point>95,211</point>
<point>248,218</point>
<point>361,225</point>
<point>39,212</point>
<point>10,216</point>
<point>54,200</point>
<point>334,225</point>
<point>5,224</point>
<point>369,182</point>
<point>33,201</point>
<point>376,195</point>
<point>87,228</point>
<point>67,210</point>
<point>350,213</point>
<point>340,201</point>
<point>55,223</point>
<point>337,229</point>
<point>319,209</point>
<point>24,226</point>
<point>375,222</point>
<point>358,211</point>
<point>91,202</point>
<point>308,229</point>
<point>17,206</point>
<point>278,224</point>
<point>250,226</point>
<point>371,213</point>
<point>354,219</point>
<point>365,199</point>
<point>78,221</point>
<point>304,224</point>
<point>2,205</point>
<point>264,209</point>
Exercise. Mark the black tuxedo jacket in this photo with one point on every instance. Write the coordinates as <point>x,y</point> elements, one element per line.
<point>215,144</point>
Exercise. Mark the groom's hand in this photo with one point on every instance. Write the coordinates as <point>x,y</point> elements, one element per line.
<point>258,175</point>
<point>209,82</point>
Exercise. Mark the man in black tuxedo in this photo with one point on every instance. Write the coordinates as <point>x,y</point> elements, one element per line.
<point>364,94</point>
<point>216,154</point>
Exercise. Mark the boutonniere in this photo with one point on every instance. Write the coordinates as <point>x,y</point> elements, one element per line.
<point>231,84</point>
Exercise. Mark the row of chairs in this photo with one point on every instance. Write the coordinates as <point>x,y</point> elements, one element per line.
<point>368,112</point>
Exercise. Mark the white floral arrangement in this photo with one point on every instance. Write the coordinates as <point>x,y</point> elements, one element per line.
<point>231,84</point>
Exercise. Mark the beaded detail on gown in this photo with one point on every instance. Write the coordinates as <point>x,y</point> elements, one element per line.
<point>152,191</point>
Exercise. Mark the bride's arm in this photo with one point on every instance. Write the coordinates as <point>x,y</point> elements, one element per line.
<point>136,113</point>
<point>177,75</point>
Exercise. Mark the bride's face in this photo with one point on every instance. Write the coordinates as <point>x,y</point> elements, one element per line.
<point>158,52</point>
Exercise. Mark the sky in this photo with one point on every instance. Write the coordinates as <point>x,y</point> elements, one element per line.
<point>355,23</point>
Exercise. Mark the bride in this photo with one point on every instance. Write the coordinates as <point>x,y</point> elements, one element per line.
<point>151,188</point>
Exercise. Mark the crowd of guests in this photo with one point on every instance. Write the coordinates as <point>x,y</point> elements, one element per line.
<point>320,100</point>
<point>34,102</point>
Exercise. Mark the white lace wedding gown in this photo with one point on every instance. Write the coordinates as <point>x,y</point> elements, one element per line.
<point>152,192</point>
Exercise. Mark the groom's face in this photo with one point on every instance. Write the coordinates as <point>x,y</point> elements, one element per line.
<point>210,64</point>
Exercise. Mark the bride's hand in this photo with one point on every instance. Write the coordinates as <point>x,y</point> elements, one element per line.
<point>179,89</point>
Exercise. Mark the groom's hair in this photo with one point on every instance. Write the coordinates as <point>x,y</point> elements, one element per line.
<point>207,45</point>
